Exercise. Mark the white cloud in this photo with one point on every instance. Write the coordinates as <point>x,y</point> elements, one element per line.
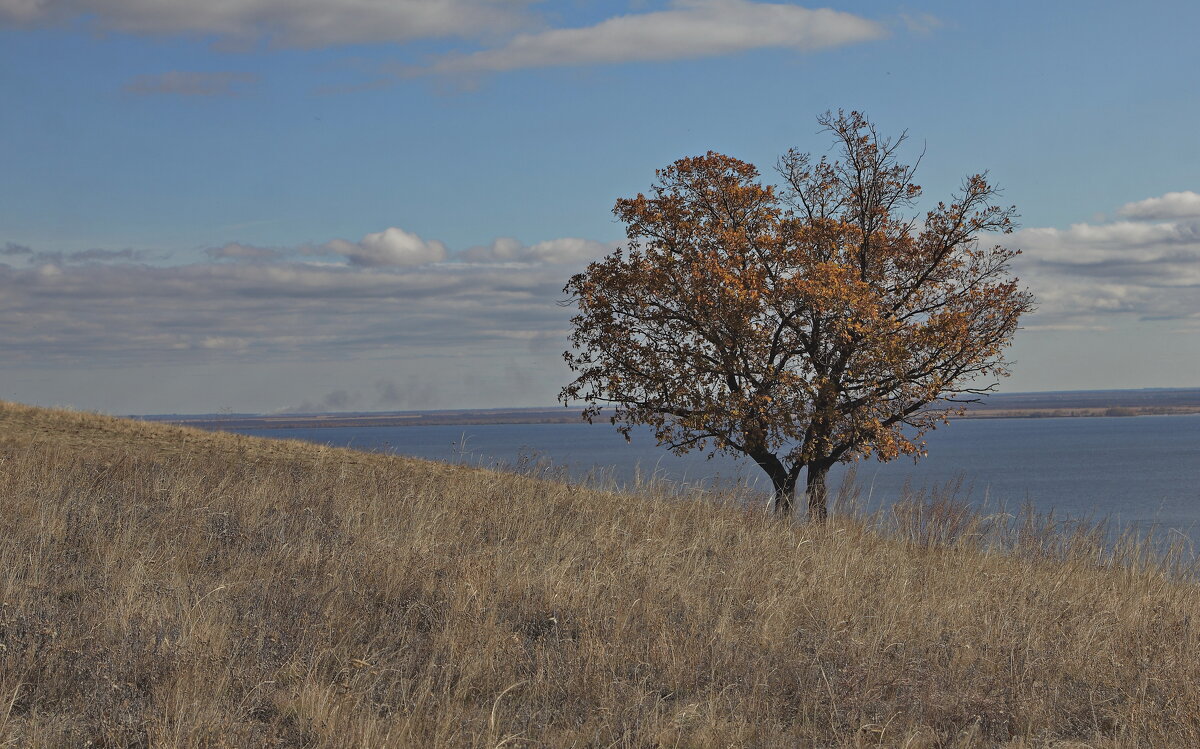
<point>303,23</point>
<point>1090,272</point>
<point>568,250</point>
<point>1119,240</point>
<point>391,291</point>
<point>394,248</point>
<point>502,249</point>
<point>223,342</point>
<point>22,11</point>
<point>685,29</point>
<point>689,29</point>
<point>1184,204</point>
<point>564,250</point>
<point>239,251</point>
<point>209,311</point>
<point>186,83</point>
<point>390,247</point>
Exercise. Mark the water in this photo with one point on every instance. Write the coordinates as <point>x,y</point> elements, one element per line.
<point>1142,471</point>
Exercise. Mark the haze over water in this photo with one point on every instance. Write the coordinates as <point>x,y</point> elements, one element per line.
<point>1143,470</point>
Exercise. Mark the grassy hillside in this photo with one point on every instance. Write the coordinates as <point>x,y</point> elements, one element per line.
<point>162,586</point>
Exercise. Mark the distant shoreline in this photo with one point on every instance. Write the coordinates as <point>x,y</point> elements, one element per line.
<point>1069,404</point>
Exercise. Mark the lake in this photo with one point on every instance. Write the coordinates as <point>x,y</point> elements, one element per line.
<point>1140,471</point>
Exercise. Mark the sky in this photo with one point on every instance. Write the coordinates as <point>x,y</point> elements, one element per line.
<point>308,205</point>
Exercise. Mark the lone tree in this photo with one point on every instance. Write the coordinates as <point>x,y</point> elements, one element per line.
<point>802,325</point>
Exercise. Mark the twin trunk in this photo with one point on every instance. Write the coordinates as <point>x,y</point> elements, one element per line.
<point>815,490</point>
<point>784,483</point>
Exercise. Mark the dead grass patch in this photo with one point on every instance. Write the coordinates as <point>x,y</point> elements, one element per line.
<point>170,587</point>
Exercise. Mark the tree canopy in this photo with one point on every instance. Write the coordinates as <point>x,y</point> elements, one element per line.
<point>819,320</point>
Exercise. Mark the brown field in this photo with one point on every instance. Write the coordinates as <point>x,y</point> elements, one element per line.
<point>162,586</point>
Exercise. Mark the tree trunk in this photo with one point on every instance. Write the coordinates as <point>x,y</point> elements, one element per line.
<point>785,495</point>
<point>818,509</point>
<point>783,482</point>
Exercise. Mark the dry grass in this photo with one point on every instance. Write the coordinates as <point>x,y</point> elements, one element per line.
<point>170,587</point>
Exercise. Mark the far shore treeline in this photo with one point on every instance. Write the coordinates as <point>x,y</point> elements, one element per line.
<point>1074,403</point>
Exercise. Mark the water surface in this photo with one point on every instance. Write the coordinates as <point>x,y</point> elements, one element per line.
<point>1143,470</point>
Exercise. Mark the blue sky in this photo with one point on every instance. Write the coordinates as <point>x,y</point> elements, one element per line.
<point>361,204</point>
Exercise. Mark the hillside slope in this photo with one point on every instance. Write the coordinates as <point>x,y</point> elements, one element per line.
<point>162,586</point>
